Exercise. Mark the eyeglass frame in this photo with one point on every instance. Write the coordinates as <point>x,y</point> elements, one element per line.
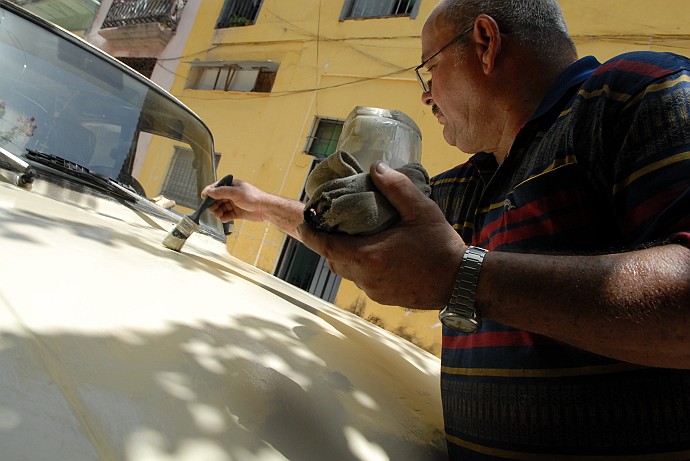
<point>425,84</point>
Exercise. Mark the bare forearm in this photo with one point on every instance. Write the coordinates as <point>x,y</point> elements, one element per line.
<point>285,214</point>
<point>631,306</point>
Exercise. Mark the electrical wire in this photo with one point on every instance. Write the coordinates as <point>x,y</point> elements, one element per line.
<point>658,41</point>
<point>318,38</point>
<point>317,66</point>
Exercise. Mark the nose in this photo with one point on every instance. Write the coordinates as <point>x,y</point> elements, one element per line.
<point>427,99</point>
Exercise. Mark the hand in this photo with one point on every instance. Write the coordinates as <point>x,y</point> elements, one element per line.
<point>412,264</point>
<point>241,200</point>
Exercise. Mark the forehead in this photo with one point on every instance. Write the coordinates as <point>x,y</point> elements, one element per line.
<point>435,34</point>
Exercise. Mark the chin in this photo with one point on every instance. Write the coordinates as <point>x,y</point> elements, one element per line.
<point>452,138</point>
<point>447,135</point>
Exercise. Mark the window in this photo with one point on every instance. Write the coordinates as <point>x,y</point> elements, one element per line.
<point>238,13</point>
<point>300,266</point>
<point>247,76</point>
<point>142,65</point>
<point>180,183</point>
<point>324,138</point>
<point>379,8</point>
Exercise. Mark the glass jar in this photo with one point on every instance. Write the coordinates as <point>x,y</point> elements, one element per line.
<point>371,133</point>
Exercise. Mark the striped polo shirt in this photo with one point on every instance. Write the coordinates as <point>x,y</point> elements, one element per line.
<point>602,166</point>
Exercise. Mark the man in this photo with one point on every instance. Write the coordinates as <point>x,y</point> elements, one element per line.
<point>577,318</point>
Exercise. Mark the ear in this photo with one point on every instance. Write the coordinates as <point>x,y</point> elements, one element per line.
<point>487,36</point>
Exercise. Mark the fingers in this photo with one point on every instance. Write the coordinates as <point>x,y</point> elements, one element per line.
<point>224,196</point>
<point>399,190</point>
<point>204,192</point>
<point>222,210</point>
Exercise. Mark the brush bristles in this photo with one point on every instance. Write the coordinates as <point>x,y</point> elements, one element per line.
<point>173,242</point>
<point>177,237</point>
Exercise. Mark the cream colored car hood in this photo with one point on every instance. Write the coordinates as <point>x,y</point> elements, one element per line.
<point>114,347</point>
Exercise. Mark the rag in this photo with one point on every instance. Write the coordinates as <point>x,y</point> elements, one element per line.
<point>343,198</point>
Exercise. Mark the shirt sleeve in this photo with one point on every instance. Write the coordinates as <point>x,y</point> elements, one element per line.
<point>648,162</point>
<point>682,238</point>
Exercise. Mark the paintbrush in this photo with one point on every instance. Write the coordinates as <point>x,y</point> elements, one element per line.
<point>189,224</point>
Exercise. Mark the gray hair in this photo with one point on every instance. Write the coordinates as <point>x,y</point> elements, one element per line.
<point>536,24</point>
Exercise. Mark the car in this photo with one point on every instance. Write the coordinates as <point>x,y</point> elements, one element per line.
<point>113,346</point>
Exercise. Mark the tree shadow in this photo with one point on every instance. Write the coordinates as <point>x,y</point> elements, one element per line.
<point>266,372</point>
<point>249,388</point>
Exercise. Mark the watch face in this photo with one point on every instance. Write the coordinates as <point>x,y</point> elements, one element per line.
<point>457,322</point>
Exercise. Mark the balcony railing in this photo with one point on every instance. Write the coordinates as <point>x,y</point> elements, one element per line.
<point>132,12</point>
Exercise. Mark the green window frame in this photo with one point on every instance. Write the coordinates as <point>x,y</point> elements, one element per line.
<point>324,137</point>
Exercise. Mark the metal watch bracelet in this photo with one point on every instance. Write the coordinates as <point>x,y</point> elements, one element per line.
<point>460,313</point>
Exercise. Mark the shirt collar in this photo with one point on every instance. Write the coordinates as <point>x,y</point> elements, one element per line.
<point>573,75</point>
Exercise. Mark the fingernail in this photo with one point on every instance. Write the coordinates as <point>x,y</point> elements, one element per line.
<point>381,168</point>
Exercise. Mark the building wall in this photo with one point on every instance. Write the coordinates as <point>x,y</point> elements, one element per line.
<point>168,56</point>
<point>327,67</point>
<point>607,28</point>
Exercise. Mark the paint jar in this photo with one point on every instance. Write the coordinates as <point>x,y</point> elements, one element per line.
<point>371,133</point>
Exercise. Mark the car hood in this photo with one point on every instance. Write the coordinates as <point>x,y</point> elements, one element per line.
<point>115,347</point>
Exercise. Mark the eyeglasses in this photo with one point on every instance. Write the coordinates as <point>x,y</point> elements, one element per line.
<point>423,74</point>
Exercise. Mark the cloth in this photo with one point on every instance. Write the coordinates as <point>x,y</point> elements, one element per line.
<point>603,165</point>
<point>344,199</point>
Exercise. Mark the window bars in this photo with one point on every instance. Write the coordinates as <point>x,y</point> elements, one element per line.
<point>324,140</point>
<point>377,8</point>
<point>237,13</point>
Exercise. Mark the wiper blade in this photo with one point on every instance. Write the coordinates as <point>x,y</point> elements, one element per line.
<point>82,173</point>
<point>26,173</point>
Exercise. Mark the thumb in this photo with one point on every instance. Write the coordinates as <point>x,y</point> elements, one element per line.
<point>398,189</point>
<point>210,191</point>
<point>217,193</point>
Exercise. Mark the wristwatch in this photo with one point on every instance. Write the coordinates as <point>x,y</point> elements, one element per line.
<point>460,314</point>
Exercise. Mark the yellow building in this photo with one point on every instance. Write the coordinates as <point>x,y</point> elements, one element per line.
<point>274,79</point>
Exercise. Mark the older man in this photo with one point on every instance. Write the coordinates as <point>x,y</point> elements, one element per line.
<point>567,319</point>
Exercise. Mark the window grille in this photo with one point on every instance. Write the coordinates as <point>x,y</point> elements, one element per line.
<point>379,8</point>
<point>324,139</point>
<point>180,182</point>
<point>238,13</point>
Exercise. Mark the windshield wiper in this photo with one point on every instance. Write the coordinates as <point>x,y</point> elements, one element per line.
<point>82,173</point>
<point>26,173</point>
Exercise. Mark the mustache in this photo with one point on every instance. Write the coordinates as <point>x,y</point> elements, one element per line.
<point>436,111</point>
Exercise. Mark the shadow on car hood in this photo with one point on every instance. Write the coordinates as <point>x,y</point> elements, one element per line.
<point>114,347</point>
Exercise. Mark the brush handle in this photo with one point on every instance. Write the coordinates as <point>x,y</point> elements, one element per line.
<point>208,201</point>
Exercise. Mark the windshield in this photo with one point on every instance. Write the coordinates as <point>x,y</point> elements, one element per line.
<point>60,98</point>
